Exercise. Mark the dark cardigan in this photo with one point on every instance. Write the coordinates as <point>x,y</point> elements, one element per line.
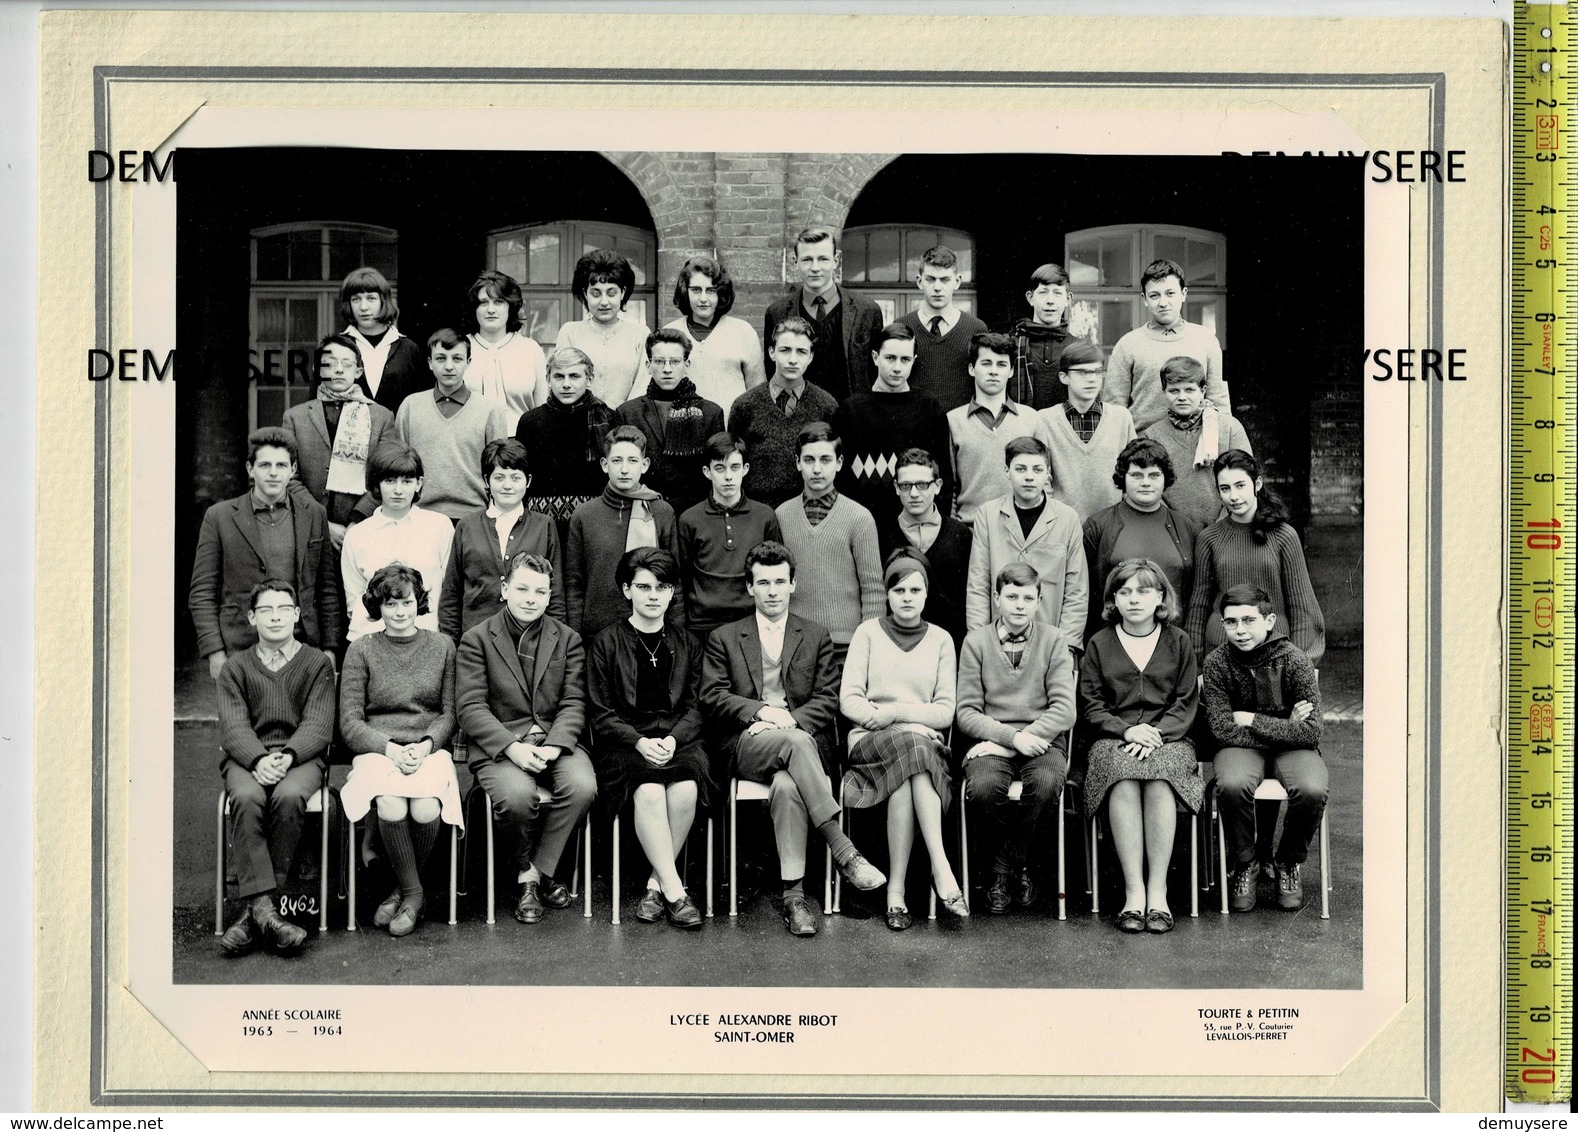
<point>473,579</point>
<point>598,530</point>
<point>1114,695</point>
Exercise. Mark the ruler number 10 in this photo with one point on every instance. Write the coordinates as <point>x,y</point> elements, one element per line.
<point>1544,541</point>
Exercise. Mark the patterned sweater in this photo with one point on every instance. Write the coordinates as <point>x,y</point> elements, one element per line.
<point>875,428</point>
<point>1267,680</point>
<point>770,438</point>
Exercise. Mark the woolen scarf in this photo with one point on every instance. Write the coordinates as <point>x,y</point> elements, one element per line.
<point>352,439</point>
<point>1209,422</point>
<point>599,419</point>
<point>682,418</point>
<point>643,528</point>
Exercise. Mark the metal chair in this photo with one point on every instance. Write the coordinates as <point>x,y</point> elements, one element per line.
<point>352,864</point>
<point>544,796</point>
<point>318,803</point>
<point>1093,824</point>
<point>683,868</point>
<point>1016,790</point>
<point>744,790</point>
<point>1270,790</point>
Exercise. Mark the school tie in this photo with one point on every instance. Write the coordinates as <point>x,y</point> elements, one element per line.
<point>786,402</point>
<point>819,308</point>
<point>936,326</point>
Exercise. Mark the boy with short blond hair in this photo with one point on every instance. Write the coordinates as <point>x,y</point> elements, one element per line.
<point>1194,434</point>
<point>943,332</point>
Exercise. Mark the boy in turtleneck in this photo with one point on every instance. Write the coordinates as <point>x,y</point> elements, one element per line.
<point>565,438</point>
<point>1194,434</point>
<point>878,424</point>
<point>676,419</point>
<point>627,515</point>
<point>1262,700</point>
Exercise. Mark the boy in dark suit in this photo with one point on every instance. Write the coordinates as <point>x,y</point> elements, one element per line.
<point>845,324</point>
<point>270,532</point>
<point>770,695</point>
<point>520,692</point>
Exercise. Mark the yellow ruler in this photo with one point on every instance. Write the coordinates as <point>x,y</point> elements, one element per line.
<point>1544,534</point>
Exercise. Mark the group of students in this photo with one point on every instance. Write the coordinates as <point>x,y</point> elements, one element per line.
<point>599,604</point>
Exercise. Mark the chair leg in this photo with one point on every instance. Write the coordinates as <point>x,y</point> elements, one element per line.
<point>1221,850</point>
<point>931,904</point>
<point>710,885</point>
<point>219,865</point>
<point>487,800</point>
<point>587,865</point>
<point>843,824</point>
<point>1194,866</point>
<point>323,856</point>
<point>454,852</point>
<point>734,848</point>
<point>964,842</point>
<point>1325,870</point>
<point>350,875</point>
<point>1062,867</point>
<point>616,868</point>
<point>1095,872</point>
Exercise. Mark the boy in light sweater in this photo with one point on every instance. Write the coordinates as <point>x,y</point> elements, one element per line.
<point>978,431</point>
<point>1262,701</point>
<point>1084,433</point>
<point>1016,698</point>
<point>834,540</point>
<point>1194,435</point>
<point>1134,370</point>
<point>449,426</point>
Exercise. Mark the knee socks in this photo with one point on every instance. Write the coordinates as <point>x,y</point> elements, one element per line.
<point>408,844</point>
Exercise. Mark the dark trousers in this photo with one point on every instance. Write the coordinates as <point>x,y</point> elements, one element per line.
<point>265,824</point>
<point>514,794</point>
<point>1014,823</point>
<point>798,794</point>
<point>1239,770</point>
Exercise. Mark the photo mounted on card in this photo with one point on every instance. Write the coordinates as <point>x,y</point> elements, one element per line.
<point>719,584</point>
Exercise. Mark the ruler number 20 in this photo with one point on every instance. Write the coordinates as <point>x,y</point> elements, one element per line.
<point>1537,1075</point>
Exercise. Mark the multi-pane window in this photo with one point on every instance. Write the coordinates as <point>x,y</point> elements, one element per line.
<point>295,301</point>
<point>1105,264</point>
<point>881,261</point>
<point>542,257</point>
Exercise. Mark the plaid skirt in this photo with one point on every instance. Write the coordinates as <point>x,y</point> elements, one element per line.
<point>1173,763</point>
<point>882,761</point>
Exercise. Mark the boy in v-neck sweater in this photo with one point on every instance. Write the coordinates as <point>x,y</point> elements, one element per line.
<point>1085,434</point>
<point>834,541</point>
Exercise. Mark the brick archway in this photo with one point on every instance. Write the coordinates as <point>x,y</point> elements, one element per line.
<point>664,198</point>
<point>833,187</point>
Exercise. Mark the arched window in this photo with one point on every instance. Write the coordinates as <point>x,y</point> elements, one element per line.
<point>295,301</point>
<point>881,261</point>
<point>541,258</point>
<point>1104,267</point>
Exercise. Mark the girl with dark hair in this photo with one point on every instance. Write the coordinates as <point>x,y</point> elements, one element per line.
<point>615,346</point>
<point>725,353</point>
<point>398,531</point>
<point>507,366</point>
<point>646,716</point>
<point>1141,524</point>
<point>1253,544</point>
<point>1138,694</point>
<point>397,709</point>
<point>899,687</point>
<point>393,367</point>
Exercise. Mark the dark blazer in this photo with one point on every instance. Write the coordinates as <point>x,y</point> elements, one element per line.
<point>611,685</point>
<point>405,373</point>
<point>306,423</point>
<point>731,682</point>
<point>490,688</point>
<point>229,562</point>
<point>862,322</point>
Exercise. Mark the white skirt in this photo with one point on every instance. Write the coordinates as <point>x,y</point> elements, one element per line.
<point>373,774</point>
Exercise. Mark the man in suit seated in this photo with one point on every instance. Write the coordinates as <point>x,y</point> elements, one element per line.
<point>520,691</point>
<point>770,695</point>
<point>269,532</point>
<point>335,433</point>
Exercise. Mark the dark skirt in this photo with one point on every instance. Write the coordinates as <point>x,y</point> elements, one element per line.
<point>882,761</point>
<point>620,770</point>
<point>1173,763</point>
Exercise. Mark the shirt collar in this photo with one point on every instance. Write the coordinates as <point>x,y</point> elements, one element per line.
<point>950,317</point>
<point>258,506</point>
<point>1003,635</point>
<point>825,502</point>
<point>1094,410</point>
<point>932,518</point>
<point>1168,331</point>
<point>284,652</point>
<point>1009,406</point>
<point>777,385</point>
<point>383,519</point>
<point>716,508</point>
<point>830,298</point>
<point>459,396</point>
<point>767,627</point>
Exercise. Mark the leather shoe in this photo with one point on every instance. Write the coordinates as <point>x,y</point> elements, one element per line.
<point>1000,897</point>
<point>386,910</point>
<point>1130,920</point>
<point>405,920</point>
<point>898,919</point>
<point>528,909</point>
<point>239,938</point>
<point>649,910</point>
<point>683,914</point>
<point>799,915</point>
<point>1245,882</point>
<point>277,932</point>
<point>862,873</point>
<point>1290,888</point>
<point>956,905</point>
<point>1029,893</point>
<point>555,893</point>
<point>1158,922</point>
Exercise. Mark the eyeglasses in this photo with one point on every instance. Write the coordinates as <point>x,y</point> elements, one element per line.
<point>914,488</point>
<point>266,610</point>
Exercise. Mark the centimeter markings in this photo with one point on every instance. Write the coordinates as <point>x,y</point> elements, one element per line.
<point>1543,420</point>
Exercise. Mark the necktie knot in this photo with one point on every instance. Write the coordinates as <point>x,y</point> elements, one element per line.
<point>936,326</point>
<point>819,307</point>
